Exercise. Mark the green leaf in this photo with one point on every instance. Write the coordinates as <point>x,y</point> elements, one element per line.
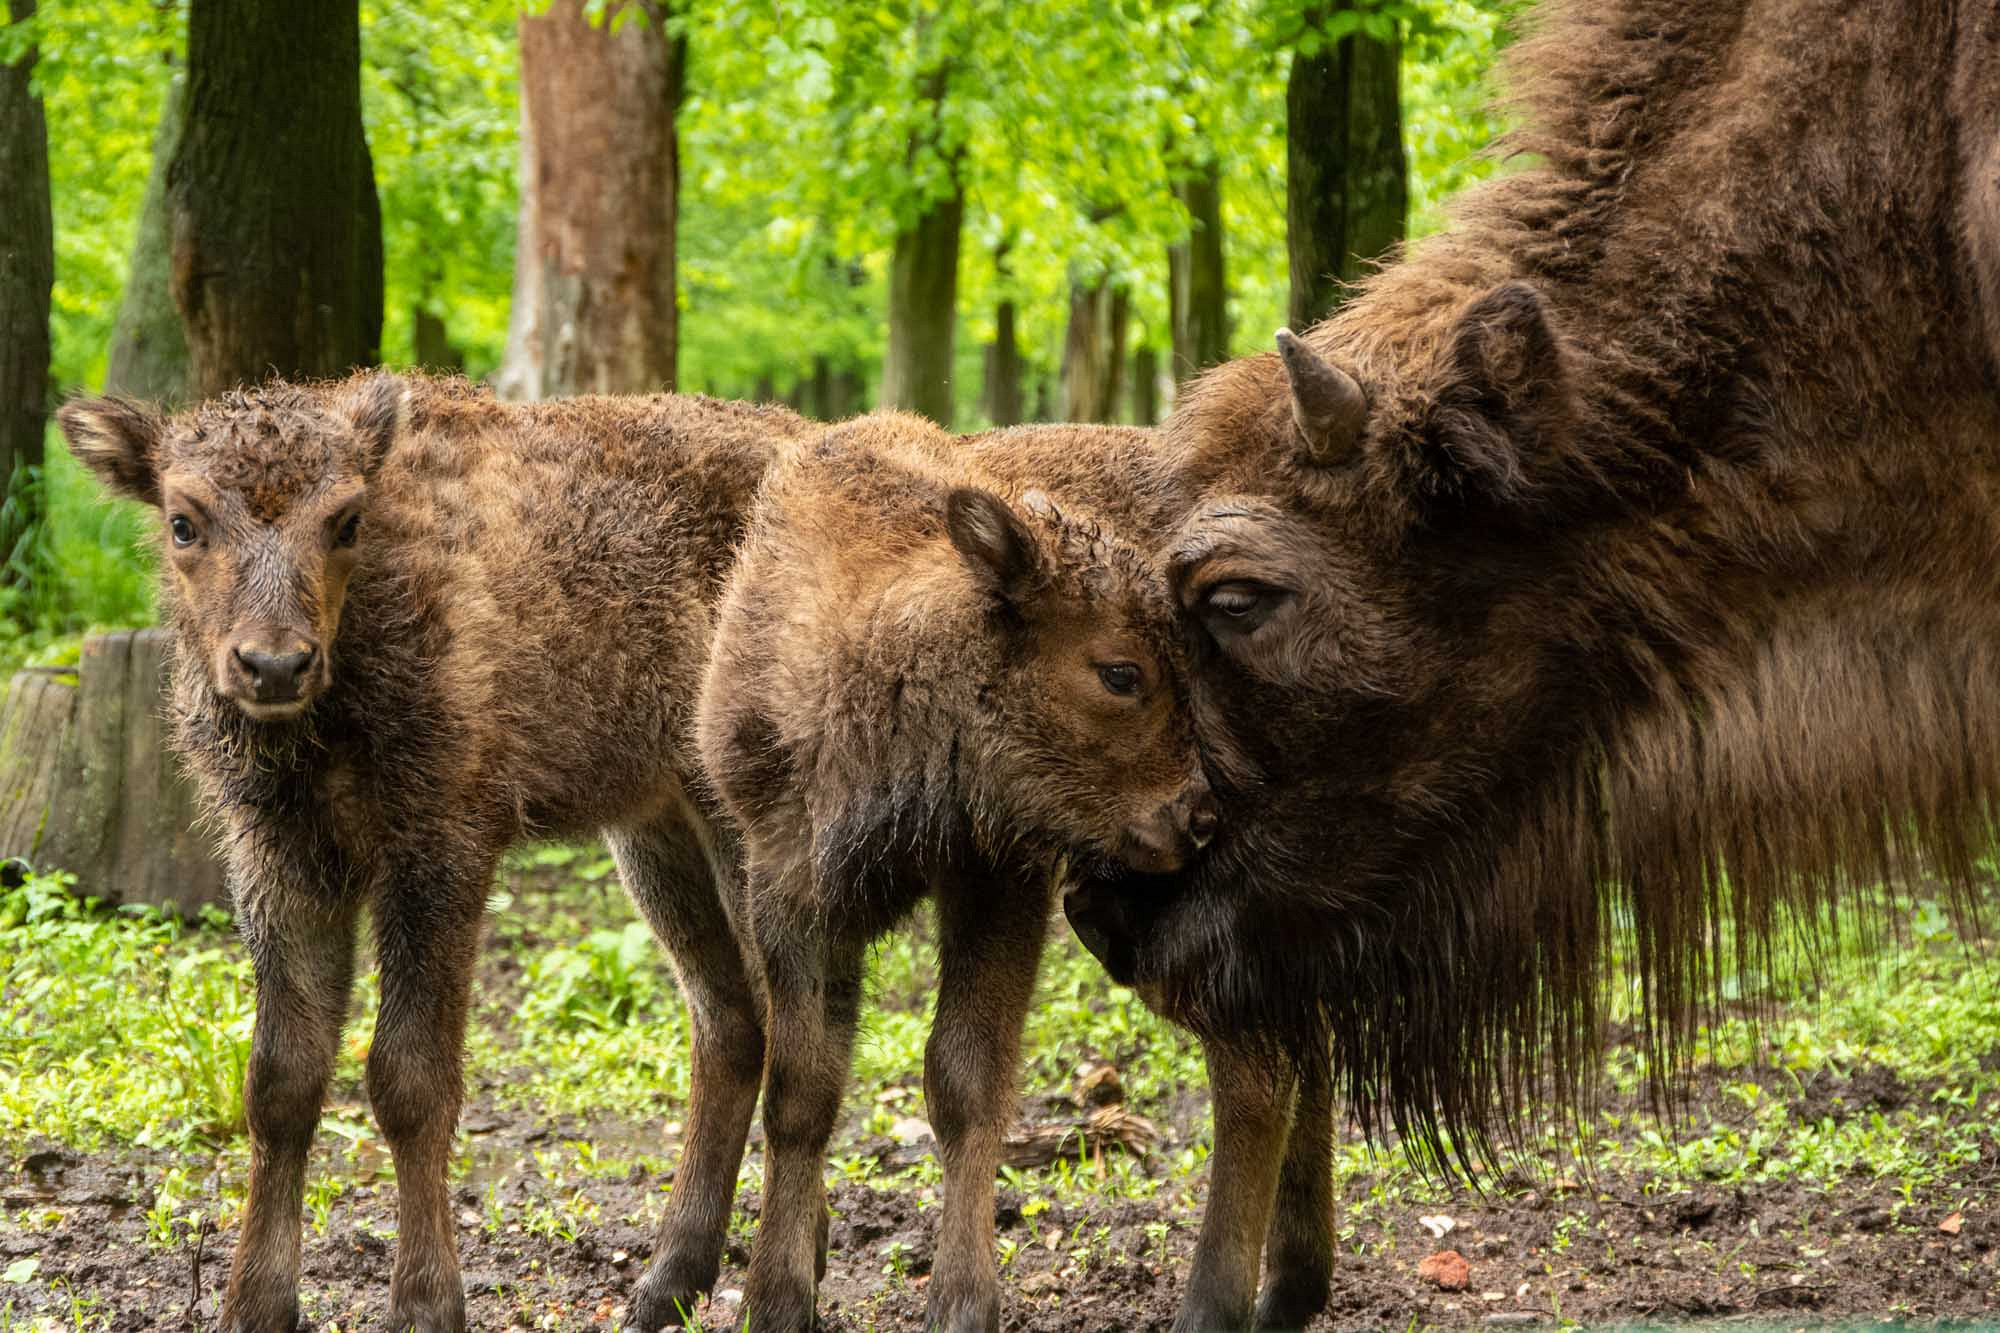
<point>21,1270</point>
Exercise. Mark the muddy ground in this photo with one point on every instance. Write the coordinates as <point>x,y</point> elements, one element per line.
<point>1594,1253</point>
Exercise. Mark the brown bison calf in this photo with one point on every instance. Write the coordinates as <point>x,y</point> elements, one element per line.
<point>415,627</point>
<point>918,689</point>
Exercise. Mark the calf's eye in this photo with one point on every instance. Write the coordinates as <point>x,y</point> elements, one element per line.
<point>1119,677</point>
<point>349,530</point>
<point>182,530</point>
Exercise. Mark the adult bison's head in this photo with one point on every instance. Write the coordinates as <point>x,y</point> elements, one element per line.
<point>1360,565</point>
<point>262,496</point>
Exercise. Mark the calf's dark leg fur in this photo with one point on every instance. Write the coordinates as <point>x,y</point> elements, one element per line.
<point>991,930</point>
<point>1299,1250</point>
<point>813,987</point>
<point>427,924</point>
<point>677,872</point>
<point>1253,1085</point>
<point>305,971</point>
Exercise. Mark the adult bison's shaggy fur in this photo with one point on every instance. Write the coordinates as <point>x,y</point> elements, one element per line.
<point>414,627</point>
<point>919,688</point>
<point>1623,561</point>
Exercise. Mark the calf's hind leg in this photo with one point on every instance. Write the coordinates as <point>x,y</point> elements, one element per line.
<point>990,948</point>
<point>427,935</point>
<point>668,869</point>
<point>305,971</point>
<point>813,987</point>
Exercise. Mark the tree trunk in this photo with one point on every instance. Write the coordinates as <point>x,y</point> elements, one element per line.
<point>431,342</point>
<point>27,274</point>
<point>1145,386</point>
<point>1003,369</point>
<point>923,312</point>
<point>1347,179</point>
<point>276,228</point>
<point>594,308</point>
<point>1118,327</point>
<point>89,785</point>
<point>149,349</point>
<point>1198,295</point>
<point>1093,369</point>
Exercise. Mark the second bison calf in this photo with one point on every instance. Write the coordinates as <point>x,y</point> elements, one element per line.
<point>919,690</point>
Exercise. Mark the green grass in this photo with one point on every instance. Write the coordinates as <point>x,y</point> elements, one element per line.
<point>87,566</point>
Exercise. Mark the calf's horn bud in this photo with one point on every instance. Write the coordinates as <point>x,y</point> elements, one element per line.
<point>1327,404</point>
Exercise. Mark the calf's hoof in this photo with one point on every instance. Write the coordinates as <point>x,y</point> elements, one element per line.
<point>1206,1316</point>
<point>965,1310</point>
<point>248,1314</point>
<point>778,1305</point>
<point>665,1298</point>
<point>1289,1303</point>
<point>442,1313</point>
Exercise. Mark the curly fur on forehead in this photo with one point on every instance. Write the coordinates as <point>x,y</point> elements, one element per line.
<point>271,445</point>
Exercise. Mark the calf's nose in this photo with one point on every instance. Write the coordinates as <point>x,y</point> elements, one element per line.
<point>275,677</point>
<point>1201,822</point>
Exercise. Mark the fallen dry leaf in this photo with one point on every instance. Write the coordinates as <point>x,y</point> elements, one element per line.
<point>1438,1225</point>
<point>1952,1225</point>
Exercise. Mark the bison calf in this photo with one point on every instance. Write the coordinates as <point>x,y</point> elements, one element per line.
<point>415,626</point>
<point>918,689</point>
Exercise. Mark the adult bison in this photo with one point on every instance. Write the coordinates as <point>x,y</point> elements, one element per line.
<point>1624,559</point>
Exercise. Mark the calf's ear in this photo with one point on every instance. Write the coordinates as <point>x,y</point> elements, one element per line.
<point>377,415</point>
<point>1502,397</point>
<point>119,440</point>
<point>996,546</point>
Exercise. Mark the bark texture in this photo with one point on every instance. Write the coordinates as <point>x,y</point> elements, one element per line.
<point>1347,177</point>
<point>1197,288</point>
<point>276,229</point>
<point>1145,386</point>
<point>1001,398</point>
<point>88,783</point>
<point>27,273</point>
<point>1093,370</point>
<point>149,348</point>
<point>923,312</point>
<point>594,286</point>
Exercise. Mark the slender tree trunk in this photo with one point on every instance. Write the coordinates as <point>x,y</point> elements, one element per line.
<point>27,273</point>
<point>1347,178</point>
<point>1117,330</point>
<point>1084,376</point>
<point>276,229</point>
<point>431,341</point>
<point>1198,295</point>
<point>923,286</point>
<point>594,301</point>
<point>149,348</point>
<point>1145,386</point>
<point>1003,369</point>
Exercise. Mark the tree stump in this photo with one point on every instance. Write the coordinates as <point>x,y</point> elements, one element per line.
<point>89,785</point>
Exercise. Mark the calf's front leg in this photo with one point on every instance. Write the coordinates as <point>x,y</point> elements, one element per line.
<point>990,948</point>
<point>303,952</point>
<point>1299,1251</point>
<point>427,920</point>
<point>1252,1086</point>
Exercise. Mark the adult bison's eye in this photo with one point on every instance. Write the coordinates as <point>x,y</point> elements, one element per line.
<point>182,530</point>
<point>1120,678</point>
<point>348,531</point>
<point>1239,606</point>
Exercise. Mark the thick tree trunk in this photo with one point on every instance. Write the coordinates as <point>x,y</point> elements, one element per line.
<point>27,273</point>
<point>594,307</point>
<point>1198,295</point>
<point>276,229</point>
<point>88,784</point>
<point>1145,386</point>
<point>1347,178</point>
<point>149,349</point>
<point>923,312</point>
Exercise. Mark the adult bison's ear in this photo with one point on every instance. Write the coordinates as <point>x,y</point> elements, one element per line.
<point>119,440</point>
<point>1502,399</point>
<point>1328,407</point>
<point>996,546</point>
<point>377,415</point>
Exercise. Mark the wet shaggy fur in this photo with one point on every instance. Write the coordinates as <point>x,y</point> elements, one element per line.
<point>921,689</point>
<point>1655,598</point>
<point>514,626</point>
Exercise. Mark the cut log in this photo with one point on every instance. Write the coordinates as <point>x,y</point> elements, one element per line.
<point>88,784</point>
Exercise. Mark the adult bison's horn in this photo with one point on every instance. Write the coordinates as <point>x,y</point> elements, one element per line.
<point>1327,404</point>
